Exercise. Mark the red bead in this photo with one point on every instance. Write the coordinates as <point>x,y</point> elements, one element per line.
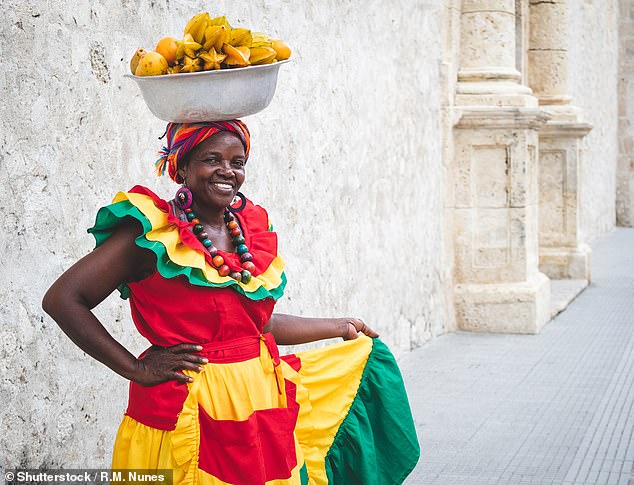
<point>213,251</point>
<point>249,266</point>
<point>236,231</point>
<point>203,235</point>
<point>218,261</point>
<point>187,211</point>
<point>195,220</point>
<point>236,275</point>
<point>224,270</point>
<point>246,257</point>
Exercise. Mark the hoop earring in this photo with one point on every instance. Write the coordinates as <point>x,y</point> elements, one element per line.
<point>183,198</point>
<point>243,203</point>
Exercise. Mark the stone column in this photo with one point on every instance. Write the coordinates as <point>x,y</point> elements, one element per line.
<point>562,253</point>
<point>494,179</point>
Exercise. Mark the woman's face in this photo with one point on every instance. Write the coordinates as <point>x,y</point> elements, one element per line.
<point>214,170</point>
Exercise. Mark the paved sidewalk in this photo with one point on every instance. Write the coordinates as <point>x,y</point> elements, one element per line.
<point>553,408</point>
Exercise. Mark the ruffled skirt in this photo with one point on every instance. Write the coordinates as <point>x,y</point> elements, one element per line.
<point>334,415</point>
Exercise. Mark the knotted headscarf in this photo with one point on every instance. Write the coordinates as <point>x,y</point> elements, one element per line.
<point>183,137</point>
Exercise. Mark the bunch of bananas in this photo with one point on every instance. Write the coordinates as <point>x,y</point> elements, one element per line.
<point>208,44</point>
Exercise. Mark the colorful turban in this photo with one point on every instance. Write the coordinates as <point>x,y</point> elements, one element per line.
<point>183,137</point>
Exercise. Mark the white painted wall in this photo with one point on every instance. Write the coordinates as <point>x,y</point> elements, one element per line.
<point>593,67</point>
<point>347,160</point>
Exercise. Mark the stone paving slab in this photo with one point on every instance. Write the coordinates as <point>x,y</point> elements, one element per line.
<point>554,408</point>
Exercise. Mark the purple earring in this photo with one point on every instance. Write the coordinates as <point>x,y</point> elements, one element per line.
<point>183,198</point>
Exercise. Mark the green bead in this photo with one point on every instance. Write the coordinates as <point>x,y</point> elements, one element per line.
<point>242,248</point>
<point>237,240</point>
<point>198,228</point>
<point>246,276</point>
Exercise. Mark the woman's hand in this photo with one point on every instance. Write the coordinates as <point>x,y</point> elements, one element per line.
<point>356,325</point>
<point>162,364</point>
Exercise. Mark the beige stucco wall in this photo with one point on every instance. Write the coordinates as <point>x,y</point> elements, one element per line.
<point>625,171</point>
<point>347,160</point>
<point>592,70</point>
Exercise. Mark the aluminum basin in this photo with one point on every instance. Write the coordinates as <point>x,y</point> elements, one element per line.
<point>218,95</point>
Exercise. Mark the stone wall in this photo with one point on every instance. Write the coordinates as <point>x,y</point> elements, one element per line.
<point>347,160</point>
<point>625,170</point>
<point>592,68</point>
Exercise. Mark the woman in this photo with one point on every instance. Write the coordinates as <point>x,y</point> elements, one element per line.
<point>211,399</point>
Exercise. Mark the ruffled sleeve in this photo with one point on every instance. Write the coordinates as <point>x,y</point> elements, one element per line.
<point>179,252</point>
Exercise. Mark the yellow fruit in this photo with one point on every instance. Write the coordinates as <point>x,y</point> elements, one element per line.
<point>167,47</point>
<point>134,62</point>
<point>191,65</point>
<point>187,47</point>
<point>212,59</point>
<point>262,55</point>
<point>240,37</point>
<point>221,21</point>
<point>258,39</point>
<point>197,25</point>
<point>152,64</point>
<point>215,37</point>
<point>236,56</point>
<point>283,52</point>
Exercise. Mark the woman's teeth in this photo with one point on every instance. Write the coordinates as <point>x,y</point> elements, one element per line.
<point>223,186</point>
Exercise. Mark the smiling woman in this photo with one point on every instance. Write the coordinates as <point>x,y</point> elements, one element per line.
<point>211,398</point>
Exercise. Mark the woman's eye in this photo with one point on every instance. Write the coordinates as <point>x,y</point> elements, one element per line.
<point>238,163</point>
<point>211,160</point>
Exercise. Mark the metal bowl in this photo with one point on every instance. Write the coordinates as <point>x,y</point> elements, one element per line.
<point>218,95</point>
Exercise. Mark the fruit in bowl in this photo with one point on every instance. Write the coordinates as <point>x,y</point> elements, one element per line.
<point>208,44</point>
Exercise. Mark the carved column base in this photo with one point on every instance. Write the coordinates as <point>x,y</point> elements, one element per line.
<point>504,308</point>
<point>566,263</point>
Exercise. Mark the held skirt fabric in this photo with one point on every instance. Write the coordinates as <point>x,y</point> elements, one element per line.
<point>334,415</point>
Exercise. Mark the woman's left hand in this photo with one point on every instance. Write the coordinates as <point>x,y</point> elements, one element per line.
<point>356,325</point>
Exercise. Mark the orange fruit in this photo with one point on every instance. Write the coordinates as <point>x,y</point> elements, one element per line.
<point>283,52</point>
<point>167,48</point>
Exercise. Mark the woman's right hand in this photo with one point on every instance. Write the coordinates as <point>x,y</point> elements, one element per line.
<point>162,364</point>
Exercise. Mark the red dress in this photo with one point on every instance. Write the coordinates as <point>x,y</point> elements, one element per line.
<point>250,417</point>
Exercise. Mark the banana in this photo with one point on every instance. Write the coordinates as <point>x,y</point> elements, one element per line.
<point>212,59</point>
<point>197,25</point>
<point>134,62</point>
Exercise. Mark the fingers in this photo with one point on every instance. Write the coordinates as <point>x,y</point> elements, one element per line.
<point>360,326</point>
<point>184,348</point>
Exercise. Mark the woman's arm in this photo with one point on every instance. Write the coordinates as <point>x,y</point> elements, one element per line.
<point>292,330</point>
<point>87,283</point>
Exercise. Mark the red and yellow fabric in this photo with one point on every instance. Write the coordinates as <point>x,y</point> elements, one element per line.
<point>335,415</point>
<point>342,418</point>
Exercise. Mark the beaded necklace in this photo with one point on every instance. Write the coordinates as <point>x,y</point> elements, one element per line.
<point>246,259</point>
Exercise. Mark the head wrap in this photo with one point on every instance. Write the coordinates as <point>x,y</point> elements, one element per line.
<point>183,137</point>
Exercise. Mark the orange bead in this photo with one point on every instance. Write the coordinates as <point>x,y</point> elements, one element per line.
<point>232,225</point>
<point>195,220</point>
<point>218,261</point>
<point>224,270</point>
<point>249,266</point>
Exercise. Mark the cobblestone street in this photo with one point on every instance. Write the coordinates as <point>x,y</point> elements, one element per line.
<point>553,408</point>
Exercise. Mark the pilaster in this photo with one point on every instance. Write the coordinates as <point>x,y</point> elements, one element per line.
<point>494,176</point>
<point>562,253</point>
